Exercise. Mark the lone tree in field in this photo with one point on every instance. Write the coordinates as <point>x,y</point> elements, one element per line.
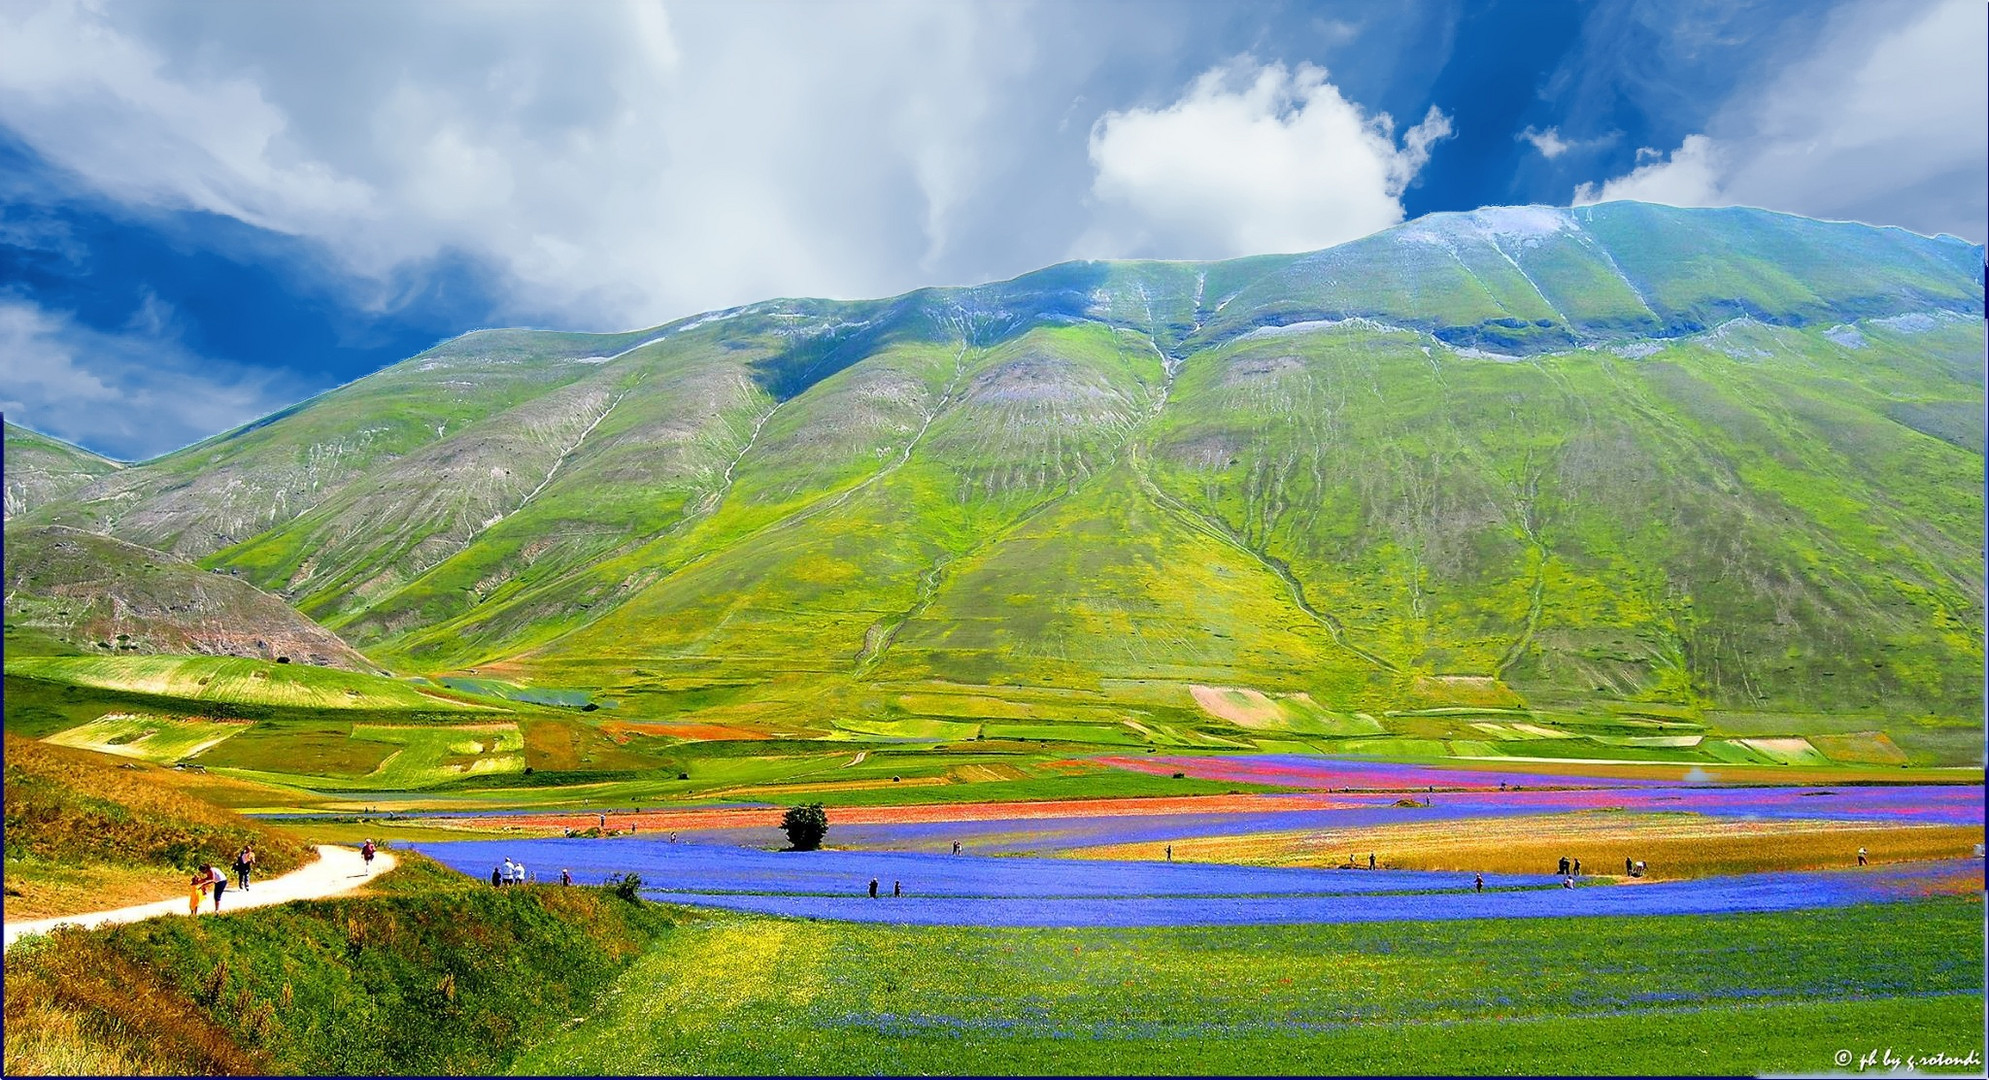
<point>805,826</point>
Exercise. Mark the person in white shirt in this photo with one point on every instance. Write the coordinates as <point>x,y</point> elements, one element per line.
<point>517,873</point>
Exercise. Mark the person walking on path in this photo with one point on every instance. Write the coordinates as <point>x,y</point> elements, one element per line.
<point>196,887</point>
<point>366,852</point>
<point>1170,853</point>
<point>1480,883</point>
<point>243,859</point>
<point>1370,860</point>
<point>1578,868</point>
<point>897,888</point>
<point>220,880</point>
<point>873,888</point>
<point>1861,856</point>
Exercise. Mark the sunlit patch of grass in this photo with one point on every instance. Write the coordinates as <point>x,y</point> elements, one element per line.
<point>148,738</point>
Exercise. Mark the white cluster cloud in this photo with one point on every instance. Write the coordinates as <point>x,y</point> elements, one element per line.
<point>1251,159</point>
<point>130,395</point>
<point>1885,122</point>
<point>1548,142</point>
<point>615,164</point>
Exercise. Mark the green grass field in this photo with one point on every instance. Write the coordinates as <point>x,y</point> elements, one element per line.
<point>1718,994</point>
<point>150,738</point>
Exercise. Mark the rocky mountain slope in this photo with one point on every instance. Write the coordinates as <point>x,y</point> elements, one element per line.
<point>1725,458</point>
<point>41,469</point>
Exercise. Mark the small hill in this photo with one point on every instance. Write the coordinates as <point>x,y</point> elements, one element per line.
<point>427,974</point>
<point>41,469</point>
<point>83,833</point>
<point>99,594</point>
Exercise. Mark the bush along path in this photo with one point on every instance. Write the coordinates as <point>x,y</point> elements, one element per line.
<point>338,870</point>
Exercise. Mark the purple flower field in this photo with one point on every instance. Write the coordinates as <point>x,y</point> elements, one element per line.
<point>974,891</point>
<point>1903,805</point>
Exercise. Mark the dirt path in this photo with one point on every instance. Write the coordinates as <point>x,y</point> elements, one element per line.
<point>338,869</point>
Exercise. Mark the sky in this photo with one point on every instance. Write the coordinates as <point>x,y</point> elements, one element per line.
<point>211,210</point>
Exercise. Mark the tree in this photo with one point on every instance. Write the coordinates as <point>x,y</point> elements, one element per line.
<point>805,826</point>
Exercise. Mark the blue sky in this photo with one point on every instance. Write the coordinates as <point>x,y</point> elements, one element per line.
<point>211,210</point>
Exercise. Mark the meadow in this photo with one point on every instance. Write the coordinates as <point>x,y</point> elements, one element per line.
<point>1657,994</point>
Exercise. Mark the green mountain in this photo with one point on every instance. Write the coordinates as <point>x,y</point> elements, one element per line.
<point>1621,456</point>
<point>41,469</point>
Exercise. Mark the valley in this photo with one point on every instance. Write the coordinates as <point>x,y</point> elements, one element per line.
<point>1200,624</point>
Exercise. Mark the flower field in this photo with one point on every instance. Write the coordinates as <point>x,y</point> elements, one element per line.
<point>948,890</point>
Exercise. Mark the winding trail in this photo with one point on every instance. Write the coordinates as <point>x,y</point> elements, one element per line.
<point>338,870</point>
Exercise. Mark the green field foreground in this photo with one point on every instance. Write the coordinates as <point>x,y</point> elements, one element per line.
<point>1687,994</point>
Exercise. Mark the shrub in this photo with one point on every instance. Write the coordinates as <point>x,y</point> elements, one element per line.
<point>626,886</point>
<point>805,826</point>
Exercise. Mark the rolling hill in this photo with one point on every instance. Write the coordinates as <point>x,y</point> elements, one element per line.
<point>1616,457</point>
<point>96,593</point>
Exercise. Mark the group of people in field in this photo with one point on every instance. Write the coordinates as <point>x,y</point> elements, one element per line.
<point>512,872</point>
<point>212,879</point>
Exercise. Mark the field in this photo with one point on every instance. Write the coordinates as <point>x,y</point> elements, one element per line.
<point>756,995</point>
<point>230,680</point>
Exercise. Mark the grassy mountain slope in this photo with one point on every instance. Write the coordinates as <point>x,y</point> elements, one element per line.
<point>1712,460</point>
<point>41,470</point>
<point>98,594</point>
<point>245,481</point>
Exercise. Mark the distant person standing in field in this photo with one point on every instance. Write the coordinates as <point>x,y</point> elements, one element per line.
<point>1562,869</point>
<point>956,847</point>
<point>873,888</point>
<point>1370,860</point>
<point>1861,856</point>
<point>566,877</point>
<point>497,875</point>
<point>1627,868</point>
<point>518,874</point>
<point>1479,884</point>
<point>1170,853</point>
<point>897,888</point>
<point>1578,868</point>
